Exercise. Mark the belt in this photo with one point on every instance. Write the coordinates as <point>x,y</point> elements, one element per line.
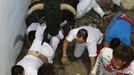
<point>38,55</point>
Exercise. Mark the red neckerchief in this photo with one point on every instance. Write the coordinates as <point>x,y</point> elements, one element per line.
<point>116,70</point>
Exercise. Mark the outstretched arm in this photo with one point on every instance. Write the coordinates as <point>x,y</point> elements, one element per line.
<point>64,56</point>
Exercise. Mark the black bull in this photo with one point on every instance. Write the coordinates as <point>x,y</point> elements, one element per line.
<point>53,14</point>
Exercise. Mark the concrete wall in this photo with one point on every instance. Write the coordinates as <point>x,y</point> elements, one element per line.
<point>12,29</point>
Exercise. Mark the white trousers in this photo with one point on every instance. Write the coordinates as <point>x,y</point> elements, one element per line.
<point>55,40</point>
<point>84,6</point>
<point>118,2</point>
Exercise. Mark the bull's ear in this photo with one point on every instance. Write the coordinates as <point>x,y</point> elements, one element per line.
<point>39,6</point>
<point>64,6</point>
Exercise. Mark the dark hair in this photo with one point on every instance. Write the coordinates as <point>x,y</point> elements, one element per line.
<point>17,69</point>
<point>46,69</point>
<point>83,33</point>
<point>124,53</point>
<point>114,43</point>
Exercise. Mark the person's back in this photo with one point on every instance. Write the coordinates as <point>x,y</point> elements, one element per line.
<point>96,34</point>
<point>46,69</point>
<point>120,27</point>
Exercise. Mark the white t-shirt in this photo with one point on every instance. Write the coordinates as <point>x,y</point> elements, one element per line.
<point>31,63</point>
<point>94,38</point>
<point>45,49</point>
<point>103,65</point>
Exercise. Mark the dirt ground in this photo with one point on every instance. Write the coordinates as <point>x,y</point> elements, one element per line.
<point>81,66</point>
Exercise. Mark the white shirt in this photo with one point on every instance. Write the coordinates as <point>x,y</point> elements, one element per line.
<point>31,63</point>
<point>104,60</point>
<point>45,49</point>
<point>32,27</point>
<point>94,38</point>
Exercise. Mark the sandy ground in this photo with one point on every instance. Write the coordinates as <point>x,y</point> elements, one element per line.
<point>128,4</point>
<point>78,66</point>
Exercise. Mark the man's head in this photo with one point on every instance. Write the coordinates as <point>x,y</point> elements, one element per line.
<point>17,70</point>
<point>46,69</point>
<point>114,43</point>
<point>82,36</point>
<point>122,55</point>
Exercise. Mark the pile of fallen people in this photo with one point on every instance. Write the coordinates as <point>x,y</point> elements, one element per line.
<point>116,57</point>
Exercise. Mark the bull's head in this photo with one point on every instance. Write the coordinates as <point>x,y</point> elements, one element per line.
<point>52,14</point>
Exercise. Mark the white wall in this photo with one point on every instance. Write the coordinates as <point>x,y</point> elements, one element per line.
<point>12,13</point>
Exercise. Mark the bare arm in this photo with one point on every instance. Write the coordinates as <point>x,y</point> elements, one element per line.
<point>92,59</point>
<point>64,57</point>
<point>65,46</point>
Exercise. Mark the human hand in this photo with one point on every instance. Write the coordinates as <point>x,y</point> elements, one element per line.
<point>64,60</point>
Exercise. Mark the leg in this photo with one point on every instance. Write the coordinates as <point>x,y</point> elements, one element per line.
<point>56,39</point>
<point>79,49</point>
<point>82,7</point>
<point>54,42</point>
<point>117,2</point>
<point>89,8</point>
<point>116,5</point>
<point>97,8</point>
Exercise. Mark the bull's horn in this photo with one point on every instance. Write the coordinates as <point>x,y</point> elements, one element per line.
<point>35,7</point>
<point>67,7</point>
